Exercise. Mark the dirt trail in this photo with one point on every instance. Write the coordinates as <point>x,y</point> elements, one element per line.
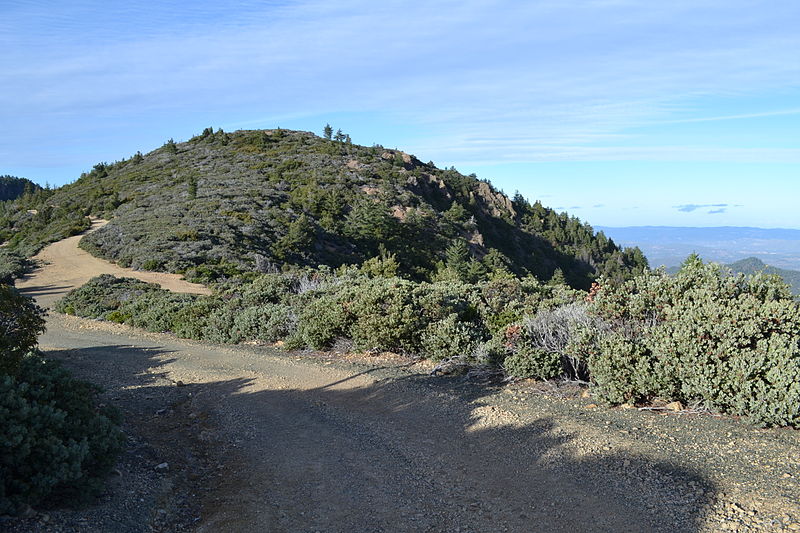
<point>262,440</point>
<point>64,267</point>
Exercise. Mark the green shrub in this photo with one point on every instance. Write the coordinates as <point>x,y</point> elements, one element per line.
<point>191,320</point>
<point>386,316</point>
<point>21,322</point>
<point>219,324</point>
<point>151,264</point>
<point>439,300</point>
<point>623,371</point>
<point>705,336</point>
<point>12,266</point>
<point>57,443</point>
<point>103,294</point>
<point>154,311</point>
<point>508,300</point>
<point>267,323</point>
<point>451,337</point>
<point>535,363</point>
<point>525,358</point>
<point>267,288</point>
<point>322,320</point>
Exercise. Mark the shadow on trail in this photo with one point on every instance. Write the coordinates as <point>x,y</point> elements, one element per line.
<point>411,453</point>
<point>36,292</point>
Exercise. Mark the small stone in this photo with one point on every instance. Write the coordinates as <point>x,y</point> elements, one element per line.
<point>179,383</point>
<point>786,475</point>
<point>674,406</point>
<point>585,393</point>
<point>591,406</point>
<point>162,467</point>
<point>626,406</point>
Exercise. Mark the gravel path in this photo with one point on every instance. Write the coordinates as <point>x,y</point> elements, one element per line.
<point>64,266</point>
<point>260,440</point>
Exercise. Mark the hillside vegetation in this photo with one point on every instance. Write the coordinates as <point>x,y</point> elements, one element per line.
<point>704,337</point>
<point>226,203</point>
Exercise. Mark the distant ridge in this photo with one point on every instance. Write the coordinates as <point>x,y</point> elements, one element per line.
<point>12,187</point>
<point>704,232</point>
<point>670,245</point>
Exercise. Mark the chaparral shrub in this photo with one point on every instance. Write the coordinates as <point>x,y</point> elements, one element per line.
<point>21,322</point>
<point>728,342</point>
<point>56,442</point>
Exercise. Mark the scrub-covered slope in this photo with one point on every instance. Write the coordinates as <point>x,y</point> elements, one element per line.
<point>264,199</point>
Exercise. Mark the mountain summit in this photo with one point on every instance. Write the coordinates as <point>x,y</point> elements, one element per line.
<point>266,199</point>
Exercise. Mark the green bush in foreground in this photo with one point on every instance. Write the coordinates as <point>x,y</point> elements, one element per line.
<point>729,343</point>
<point>21,322</point>
<point>56,444</point>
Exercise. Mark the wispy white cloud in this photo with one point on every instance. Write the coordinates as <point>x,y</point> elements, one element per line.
<point>741,116</point>
<point>482,81</point>
<point>688,208</point>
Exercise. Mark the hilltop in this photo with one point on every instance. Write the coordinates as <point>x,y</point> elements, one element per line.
<point>262,200</point>
<point>753,265</point>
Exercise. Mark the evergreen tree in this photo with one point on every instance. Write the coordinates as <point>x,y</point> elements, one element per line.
<point>327,132</point>
<point>557,278</point>
<point>193,187</point>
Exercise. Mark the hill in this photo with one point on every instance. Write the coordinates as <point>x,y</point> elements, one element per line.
<point>669,246</point>
<point>12,188</point>
<point>260,200</point>
<point>753,265</point>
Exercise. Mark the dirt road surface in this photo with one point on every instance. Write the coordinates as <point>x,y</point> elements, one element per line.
<point>64,267</point>
<point>256,439</point>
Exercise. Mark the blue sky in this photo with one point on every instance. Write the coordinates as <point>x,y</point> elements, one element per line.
<point>623,113</point>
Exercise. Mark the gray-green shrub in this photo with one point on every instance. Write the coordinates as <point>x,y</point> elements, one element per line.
<point>728,342</point>
<point>57,442</point>
<point>269,322</point>
<point>451,337</point>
